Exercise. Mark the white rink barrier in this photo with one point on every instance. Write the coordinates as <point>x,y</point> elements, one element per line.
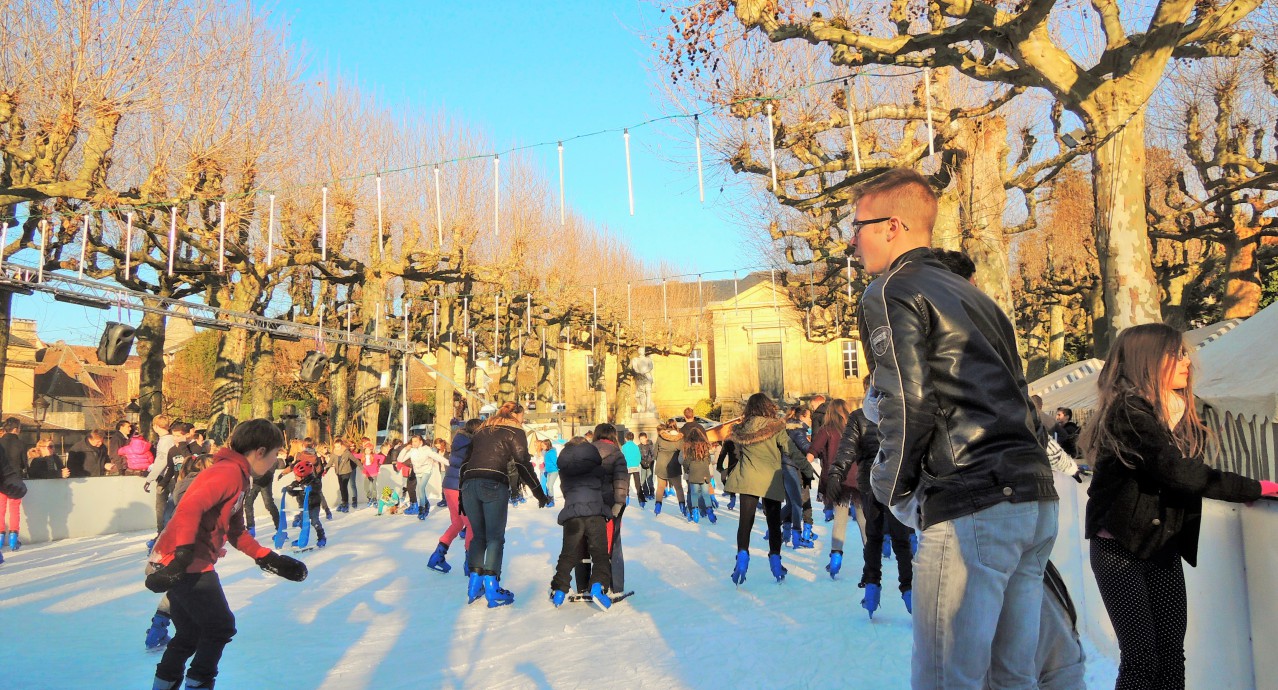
<point>1232,617</point>
<point>56,509</point>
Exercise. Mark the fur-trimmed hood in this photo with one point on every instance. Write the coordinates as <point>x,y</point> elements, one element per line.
<point>670,435</point>
<point>505,422</point>
<point>757,429</point>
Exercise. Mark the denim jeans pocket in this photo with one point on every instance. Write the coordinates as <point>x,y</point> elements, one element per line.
<point>1002,533</point>
<point>490,491</point>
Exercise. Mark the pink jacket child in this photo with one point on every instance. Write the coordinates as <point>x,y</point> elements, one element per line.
<point>371,463</point>
<point>137,453</point>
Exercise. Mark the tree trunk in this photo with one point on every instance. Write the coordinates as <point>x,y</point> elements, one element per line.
<point>1122,235</point>
<point>228,375</point>
<point>1098,321</point>
<point>548,377</point>
<point>150,343</point>
<point>262,392</point>
<point>445,370</point>
<point>1055,336</point>
<point>339,393</point>
<point>981,200</point>
<point>6,316</point>
<point>1242,292</point>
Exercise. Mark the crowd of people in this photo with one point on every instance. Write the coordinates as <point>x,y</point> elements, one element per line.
<point>946,464</point>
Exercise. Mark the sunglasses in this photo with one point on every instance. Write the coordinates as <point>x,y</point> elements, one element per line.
<point>859,225</point>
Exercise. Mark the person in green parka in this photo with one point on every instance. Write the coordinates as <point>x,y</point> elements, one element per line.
<point>758,444</point>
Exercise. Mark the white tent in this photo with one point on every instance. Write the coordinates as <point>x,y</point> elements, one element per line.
<point>1237,383</point>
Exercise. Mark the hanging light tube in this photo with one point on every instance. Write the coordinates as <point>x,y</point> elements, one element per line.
<point>850,101</point>
<point>439,213</point>
<point>563,215</point>
<point>172,235</point>
<point>630,185</point>
<point>221,236</point>
<point>324,224</point>
<point>496,196</point>
<point>701,181</point>
<point>270,234</point>
<point>84,245</point>
<point>4,239</point>
<point>927,94</point>
<point>128,244</point>
<point>381,239</point>
<point>772,147</point>
<point>44,243</point>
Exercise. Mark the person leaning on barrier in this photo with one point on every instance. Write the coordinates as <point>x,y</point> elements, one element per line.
<point>88,458</point>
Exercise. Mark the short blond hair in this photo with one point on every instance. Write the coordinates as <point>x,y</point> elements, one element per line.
<point>907,188</point>
<point>162,421</point>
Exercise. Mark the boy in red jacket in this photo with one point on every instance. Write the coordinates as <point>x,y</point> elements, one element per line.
<point>210,515</point>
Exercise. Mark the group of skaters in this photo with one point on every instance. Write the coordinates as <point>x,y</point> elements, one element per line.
<point>947,444</point>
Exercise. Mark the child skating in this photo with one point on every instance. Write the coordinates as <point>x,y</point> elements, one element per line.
<point>211,515</point>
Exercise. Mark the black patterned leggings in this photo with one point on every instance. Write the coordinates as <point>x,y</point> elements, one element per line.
<point>1145,600</point>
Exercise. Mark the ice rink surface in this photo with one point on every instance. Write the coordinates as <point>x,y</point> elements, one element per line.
<point>371,615</point>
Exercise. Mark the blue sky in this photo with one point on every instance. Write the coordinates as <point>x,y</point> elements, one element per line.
<point>525,72</point>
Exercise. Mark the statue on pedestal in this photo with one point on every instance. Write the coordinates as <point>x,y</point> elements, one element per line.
<point>642,367</point>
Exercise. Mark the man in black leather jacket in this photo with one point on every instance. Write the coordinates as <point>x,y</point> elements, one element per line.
<point>959,457</point>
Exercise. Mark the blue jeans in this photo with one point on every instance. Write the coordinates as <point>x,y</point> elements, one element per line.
<point>793,511</point>
<point>978,596</point>
<point>485,502</point>
<point>698,497</point>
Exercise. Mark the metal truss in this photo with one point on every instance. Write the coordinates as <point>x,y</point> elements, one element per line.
<point>25,279</point>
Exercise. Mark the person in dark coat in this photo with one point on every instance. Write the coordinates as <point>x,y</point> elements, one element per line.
<point>116,440</point>
<point>613,462</point>
<point>1066,430</point>
<point>666,467</point>
<point>588,495</point>
<point>498,463</point>
<point>88,458</point>
<point>1144,506</point>
<point>15,450</point>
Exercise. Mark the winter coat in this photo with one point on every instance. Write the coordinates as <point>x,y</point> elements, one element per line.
<point>164,471</point>
<point>1157,502</point>
<point>343,463</point>
<point>818,415</point>
<point>647,455</point>
<point>614,464</point>
<point>850,472</point>
<point>85,460</point>
<point>666,466</point>
<point>825,445</point>
<point>11,484</point>
<point>15,452</point>
<point>137,454</point>
<point>44,467</point>
<point>799,434</point>
<point>550,461</point>
<point>698,469</point>
<point>760,443</point>
<point>210,515</point>
<point>633,455</point>
<point>115,442</point>
<point>584,482</point>
<point>500,452</point>
<point>371,463</point>
<point>456,458</point>
<point>1067,436</point>
<point>955,418</point>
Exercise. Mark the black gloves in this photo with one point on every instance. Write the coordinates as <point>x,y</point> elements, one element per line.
<point>543,501</point>
<point>286,567</point>
<point>833,489</point>
<point>1078,477</point>
<point>163,579</point>
<point>146,487</point>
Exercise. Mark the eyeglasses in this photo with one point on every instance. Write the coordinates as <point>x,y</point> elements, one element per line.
<point>859,225</point>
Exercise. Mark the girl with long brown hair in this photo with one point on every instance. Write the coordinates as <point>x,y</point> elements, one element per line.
<point>758,444</point>
<point>696,462</point>
<point>667,467</point>
<point>1144,506</point>
<point>838,498</point>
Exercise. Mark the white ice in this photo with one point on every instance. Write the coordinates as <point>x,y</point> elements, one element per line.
<point>371,615</point>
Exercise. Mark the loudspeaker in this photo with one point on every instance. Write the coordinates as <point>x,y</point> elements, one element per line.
<point>313,366</point>
<point>117,340</point>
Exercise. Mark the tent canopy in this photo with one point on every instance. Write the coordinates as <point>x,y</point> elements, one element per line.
<point>1239,374</point>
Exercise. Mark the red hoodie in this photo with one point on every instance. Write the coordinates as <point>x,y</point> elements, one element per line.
<point>210,514</point>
